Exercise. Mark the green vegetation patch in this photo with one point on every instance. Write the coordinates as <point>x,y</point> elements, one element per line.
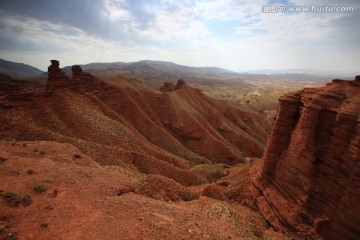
<point>40,188</point>
<point>15,199</point>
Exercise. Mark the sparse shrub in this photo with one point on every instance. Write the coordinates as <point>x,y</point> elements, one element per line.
<point>44,224</point>
<point>11,197</point>
<point>30,171</point>
<point>40,188</point>
<point>11,236</point>
<point>4,224</point>
<point>49,207</point>
<point>42,153</point>
<point>26,200</point>
<point>36,150</point>
<point>55,192</point>
<point>189,196</point>
<point>15,199</point>
<point>76,156</point>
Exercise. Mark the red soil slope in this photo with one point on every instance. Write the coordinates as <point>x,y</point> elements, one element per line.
<point>52,190</point>
<point>310,175</point>
<point>119,160</point>
<point>122,122</point>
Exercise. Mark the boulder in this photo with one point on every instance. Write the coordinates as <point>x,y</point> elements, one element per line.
<point>179,84</point>
<point>78,72</point>
<point>76,69</point>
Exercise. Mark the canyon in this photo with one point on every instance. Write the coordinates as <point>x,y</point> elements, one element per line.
<point>121,159</point>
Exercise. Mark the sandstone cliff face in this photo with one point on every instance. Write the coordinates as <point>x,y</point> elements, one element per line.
<point>309,179</point>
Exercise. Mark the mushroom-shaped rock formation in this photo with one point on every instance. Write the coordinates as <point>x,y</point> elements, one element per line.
<point>56,77</point>
<point>54,70</point>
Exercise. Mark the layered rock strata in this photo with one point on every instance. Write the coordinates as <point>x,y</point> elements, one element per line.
<point>309,178</point>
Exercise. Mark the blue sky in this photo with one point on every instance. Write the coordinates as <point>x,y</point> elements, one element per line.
<point>233,34</point>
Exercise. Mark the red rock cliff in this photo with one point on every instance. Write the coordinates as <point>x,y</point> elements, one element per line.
<point>309,178</point>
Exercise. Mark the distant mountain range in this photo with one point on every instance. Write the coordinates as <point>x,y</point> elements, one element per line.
<point>18,70</point>
<point>158,72</point>
<point>157,65</point>
<point>302,71</point>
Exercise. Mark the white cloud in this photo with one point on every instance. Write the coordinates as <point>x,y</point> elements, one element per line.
<point>69,38</point>
<point>227,10</point>
<point>72,43</point>
<point>113,10</point>
<point>227,33</point>
<point>173,22</point>
<point>325,2</point>
<point>289,27</point>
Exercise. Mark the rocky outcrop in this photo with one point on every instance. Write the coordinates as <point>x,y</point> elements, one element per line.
<point>76,69</point>
<point>56,77</point>
<point>78,72</point>
<point>168,87</point>
<point>179,84</point>
<point>309,178</point>
<point>54,70</point>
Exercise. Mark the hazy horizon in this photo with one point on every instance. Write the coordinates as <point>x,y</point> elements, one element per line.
<point>235,35</point>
